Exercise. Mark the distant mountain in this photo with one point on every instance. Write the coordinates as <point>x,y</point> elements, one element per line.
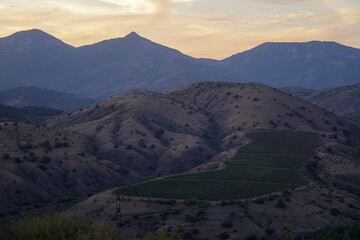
<point>33,115</point>
<point>341,100</point>
<point>33,96</point>
<point>34,58</point>
<point>107,68</point>
<point>311,65</point>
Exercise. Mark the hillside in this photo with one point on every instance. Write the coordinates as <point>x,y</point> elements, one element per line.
<point>163,133</point>
<point>225,116</point>
<point>33,96</point>
<point>41,166</point>
<point>110,67</point>
<point>34,115</point>
<point>195,128</point>
<point>340,100</point>
<point>311,65</point>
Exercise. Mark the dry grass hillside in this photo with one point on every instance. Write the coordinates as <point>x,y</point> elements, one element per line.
<point>163,133</point>
<point>41,166</point>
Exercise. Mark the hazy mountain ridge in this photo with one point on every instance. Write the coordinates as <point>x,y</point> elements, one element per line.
<point>341,100</point>
<point>311,65</point>
<point>107,68</point>
<point>33,96</point>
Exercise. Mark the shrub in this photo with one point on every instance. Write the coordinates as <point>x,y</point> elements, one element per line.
<point>280,203</point>
<point>223,235</point>
<point>252,237</point>
<point>227,223</point>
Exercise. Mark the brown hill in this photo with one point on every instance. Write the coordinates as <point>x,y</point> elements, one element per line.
<point>41,166</point>
<point>214,117</point>
<point>163,133</point>
<point>195,127</point>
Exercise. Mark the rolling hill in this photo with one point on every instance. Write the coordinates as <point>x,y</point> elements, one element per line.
<point>33,96</point>
<point>164,133</point>
<point>340,100</point>
<point>110,67</point>
<point>139,135</point>
<point>211,124</point>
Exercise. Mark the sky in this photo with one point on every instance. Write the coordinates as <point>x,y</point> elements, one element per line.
<point>200,28</point>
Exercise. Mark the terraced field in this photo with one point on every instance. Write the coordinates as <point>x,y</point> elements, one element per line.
<point>272,162</point>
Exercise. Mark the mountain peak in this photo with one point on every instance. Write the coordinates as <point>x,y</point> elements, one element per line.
<point>29,39</point>
<point>32,33</point>
<point>133,35</point>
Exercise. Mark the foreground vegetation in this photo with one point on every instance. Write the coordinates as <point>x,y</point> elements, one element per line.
<point>272,162</point>
<point>63,227</point>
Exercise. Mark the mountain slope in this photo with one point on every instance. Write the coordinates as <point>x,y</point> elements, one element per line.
<point>41,166</point>
<point>175,131</point>
<point>34,58</point>
<point>311,65</point>
<point>206,123</point>
<point>341,100</point>
<point>33,96</point>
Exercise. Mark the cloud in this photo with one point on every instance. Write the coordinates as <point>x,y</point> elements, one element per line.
<point>285,1</point>
<point>201,28</point>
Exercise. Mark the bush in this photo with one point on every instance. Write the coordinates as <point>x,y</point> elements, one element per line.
<point>252,237</point>
<point>227,223</point>
<point>280,203</point>
<point>223,235</point>
<point>270,231</point>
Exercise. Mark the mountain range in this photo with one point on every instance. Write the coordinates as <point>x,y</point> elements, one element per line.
<point>107,68</point>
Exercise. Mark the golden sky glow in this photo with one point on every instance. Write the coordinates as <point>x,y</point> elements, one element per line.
<point>200,28</point>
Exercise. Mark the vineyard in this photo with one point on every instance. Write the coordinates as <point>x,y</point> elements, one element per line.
<point>272,162</point>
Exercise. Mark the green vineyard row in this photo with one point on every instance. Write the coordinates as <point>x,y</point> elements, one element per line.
<point>272,162</point>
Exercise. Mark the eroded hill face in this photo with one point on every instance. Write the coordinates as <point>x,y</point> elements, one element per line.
<point>175,131</point>
<point>41,165</point>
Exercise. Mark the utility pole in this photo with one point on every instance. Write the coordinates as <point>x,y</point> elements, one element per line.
<point>118,211</point>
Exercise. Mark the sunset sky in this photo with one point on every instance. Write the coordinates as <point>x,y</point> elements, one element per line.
<point>200,28</point>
